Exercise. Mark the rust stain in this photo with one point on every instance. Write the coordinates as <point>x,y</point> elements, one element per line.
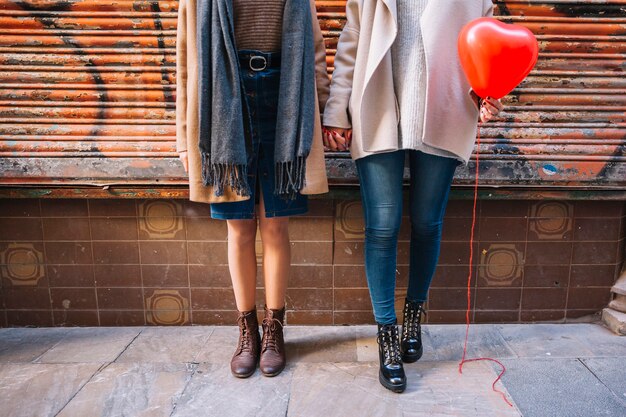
<point>87,96</point>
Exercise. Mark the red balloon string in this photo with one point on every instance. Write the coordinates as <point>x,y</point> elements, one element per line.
<point>469,289</point>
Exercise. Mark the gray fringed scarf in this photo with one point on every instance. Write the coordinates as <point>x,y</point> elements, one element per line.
<point>223,117</point>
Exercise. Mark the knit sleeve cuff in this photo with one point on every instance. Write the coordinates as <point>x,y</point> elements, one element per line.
<point>475,98</point>
<point>336,113</point>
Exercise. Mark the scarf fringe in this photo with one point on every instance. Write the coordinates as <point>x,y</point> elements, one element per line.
<point>290,177</point>
<point>222,175</point>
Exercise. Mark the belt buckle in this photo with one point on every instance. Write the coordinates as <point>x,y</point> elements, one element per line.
<point>257,57</point>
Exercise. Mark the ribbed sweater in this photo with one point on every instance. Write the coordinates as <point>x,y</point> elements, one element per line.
<point>258,24</point>
<point>409,77</point>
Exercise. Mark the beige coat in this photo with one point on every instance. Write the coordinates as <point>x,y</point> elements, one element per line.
<point>187,109</point>
<point>362,92</point>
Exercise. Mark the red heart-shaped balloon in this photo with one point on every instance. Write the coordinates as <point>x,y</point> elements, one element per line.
<point>495,56</point>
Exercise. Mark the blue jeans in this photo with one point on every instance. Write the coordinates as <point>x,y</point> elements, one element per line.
<point>381,193</point>
<point>261,95</point>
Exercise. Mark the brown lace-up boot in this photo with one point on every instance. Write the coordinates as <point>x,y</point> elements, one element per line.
<point>246,357</point>
<point>273,344</point>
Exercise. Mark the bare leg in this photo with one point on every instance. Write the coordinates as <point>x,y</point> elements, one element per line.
<point>276,257</point>
<point>242,261</point>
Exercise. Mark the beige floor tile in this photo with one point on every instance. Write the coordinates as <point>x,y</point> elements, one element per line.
<point>92,344</point>
<point>321,344</point>
<point>435,389</point>
<point>27,344</point>
<point>484,340</point>
<point>546,340</point>
<point>127,389</point>
<point>220,345</point>
<point>40,390</point>
<point>167,344</point>
<point>213,391</point>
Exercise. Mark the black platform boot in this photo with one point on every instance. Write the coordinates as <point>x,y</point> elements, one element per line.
<point>411,344</point>
<point>391,374</point>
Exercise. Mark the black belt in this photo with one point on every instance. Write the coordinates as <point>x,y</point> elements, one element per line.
<point>259,61</point>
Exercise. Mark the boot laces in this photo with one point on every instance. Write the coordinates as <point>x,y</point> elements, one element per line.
<point>389,339</point>
<point>271,334</point>
<point>412,319</point>
<point>244,338</point>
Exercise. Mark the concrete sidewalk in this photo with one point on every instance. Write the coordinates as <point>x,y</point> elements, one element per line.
<point>562,370</point>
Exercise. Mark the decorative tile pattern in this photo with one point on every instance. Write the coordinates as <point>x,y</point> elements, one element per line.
<point>160,219</point>
<point>349,222</point>
<point>22,264</point>
<point>167,307</point>
<point>551,220</point>
<point>165,262</point>
<point>501,264</point>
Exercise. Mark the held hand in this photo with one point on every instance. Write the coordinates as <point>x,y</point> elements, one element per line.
<point>337,139</point>
<point>489,108</point>
<point>184,160</point>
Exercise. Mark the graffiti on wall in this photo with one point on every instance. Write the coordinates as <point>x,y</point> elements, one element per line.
<point>87,96</point>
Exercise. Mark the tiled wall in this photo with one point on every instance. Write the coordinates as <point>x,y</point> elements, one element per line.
<point>135,262</point>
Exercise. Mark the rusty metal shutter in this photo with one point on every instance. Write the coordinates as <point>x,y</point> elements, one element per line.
<point>87,92</point>
<point>87,96</point>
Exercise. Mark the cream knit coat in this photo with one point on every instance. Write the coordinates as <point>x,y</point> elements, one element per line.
<point>187,109</point>
<point>362,91</point>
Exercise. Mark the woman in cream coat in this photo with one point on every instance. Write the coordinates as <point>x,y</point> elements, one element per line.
<point>398,92</point>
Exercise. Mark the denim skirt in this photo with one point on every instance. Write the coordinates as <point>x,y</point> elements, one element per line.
<point>261,95</point>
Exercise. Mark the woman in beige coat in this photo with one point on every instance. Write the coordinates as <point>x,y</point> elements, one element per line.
<point>256,27</point>
<point>398,92</point>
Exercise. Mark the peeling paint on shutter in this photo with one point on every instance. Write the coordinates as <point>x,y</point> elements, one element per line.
<point>87,92</point>
<point>87,96</point>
